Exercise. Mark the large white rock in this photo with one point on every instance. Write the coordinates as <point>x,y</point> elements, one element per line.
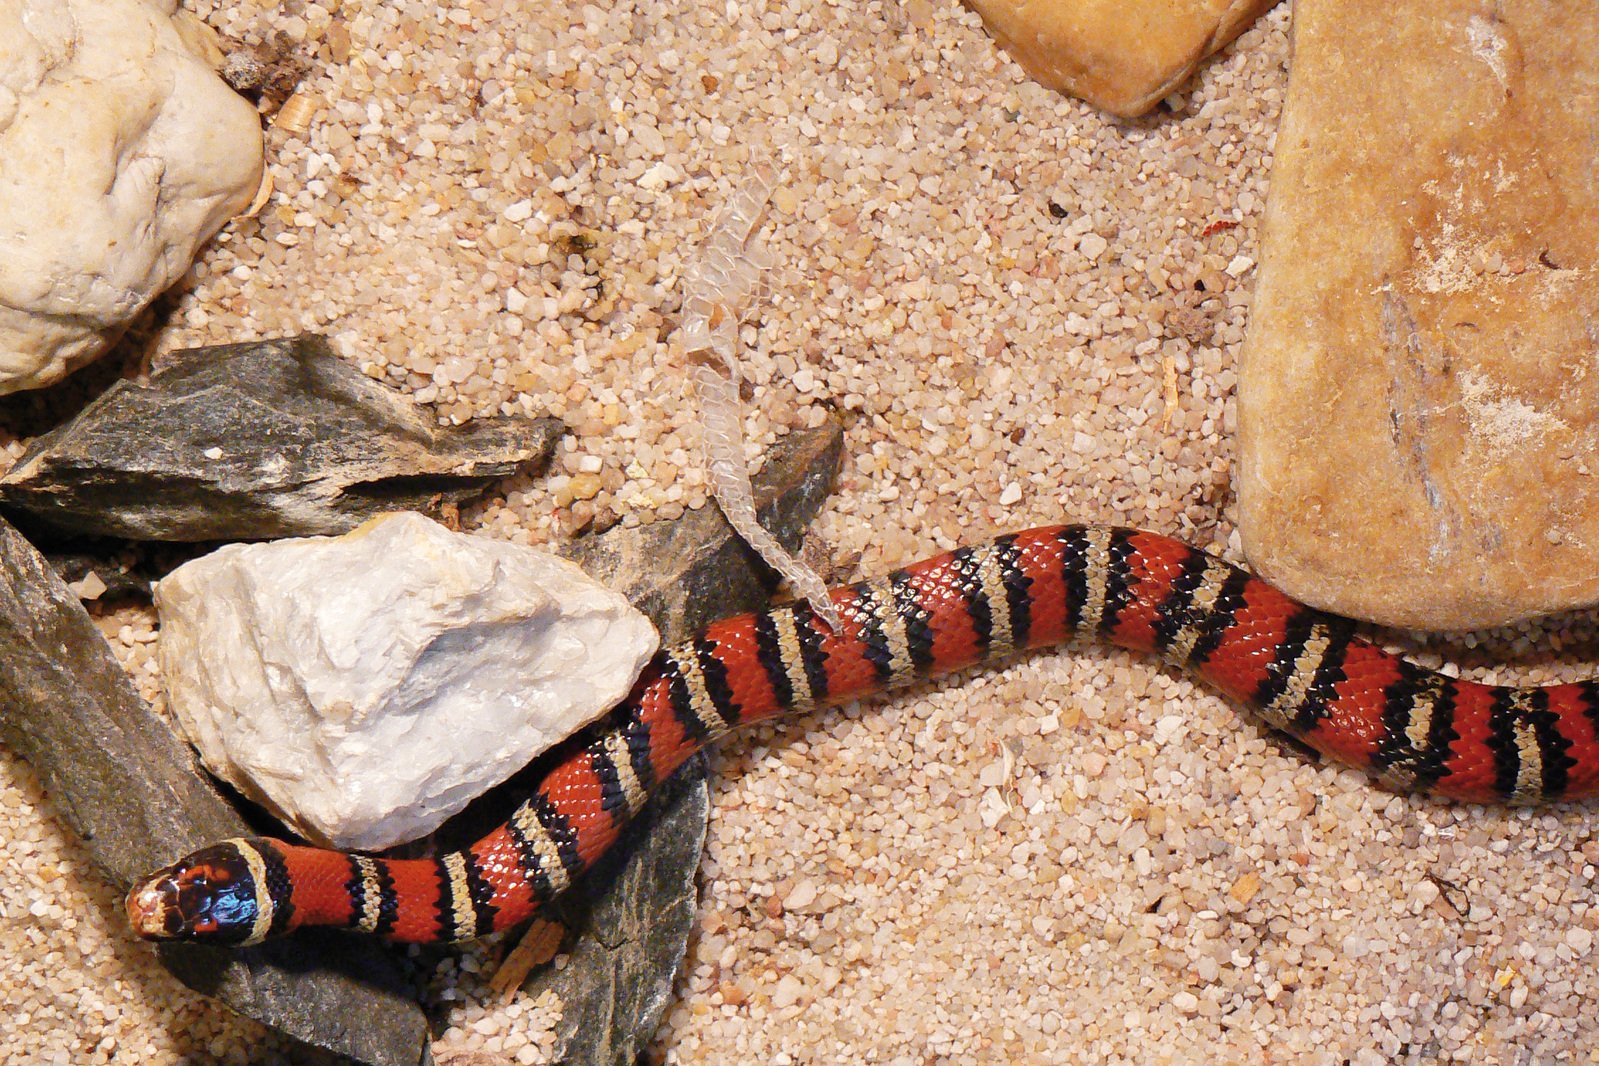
<point>366,687</point>
<point>121,152</point>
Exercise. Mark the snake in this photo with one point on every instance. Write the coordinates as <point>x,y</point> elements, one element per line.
<point>1302,671</point>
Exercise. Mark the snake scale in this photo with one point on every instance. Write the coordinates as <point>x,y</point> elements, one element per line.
<point>1302,671</point>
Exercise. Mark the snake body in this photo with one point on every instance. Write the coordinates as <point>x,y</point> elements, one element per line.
<point>1304,672</point>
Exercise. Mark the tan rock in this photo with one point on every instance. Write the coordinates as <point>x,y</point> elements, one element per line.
<point>1418,402</point>
<point>1120,55</point>
<point>121,152</point>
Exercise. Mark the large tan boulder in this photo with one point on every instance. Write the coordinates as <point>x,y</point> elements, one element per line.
<point>1120,55</point>
<point>1419,396</point>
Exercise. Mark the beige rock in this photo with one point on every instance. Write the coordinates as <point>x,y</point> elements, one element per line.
<point>121,152</point>
<point>1418,403</point>
<point>1120,55</point>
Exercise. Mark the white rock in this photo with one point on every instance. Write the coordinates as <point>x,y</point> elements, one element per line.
<point>366,687</point>
<point>121,152</point>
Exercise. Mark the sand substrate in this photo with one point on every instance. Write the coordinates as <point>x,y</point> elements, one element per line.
<point>1025,314</point>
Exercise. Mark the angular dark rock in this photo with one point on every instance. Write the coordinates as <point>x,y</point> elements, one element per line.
<point>694,570</point>
<point>118,578</point>
<point>125,783</point>
<point>275,438</point>
<point>632,917</point>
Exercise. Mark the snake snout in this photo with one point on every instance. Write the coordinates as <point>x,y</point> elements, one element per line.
<point>152,908</point>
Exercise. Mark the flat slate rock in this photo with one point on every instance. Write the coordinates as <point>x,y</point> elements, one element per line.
<point>1418,407</point>
<point>631,918</point>
<point>1123,56</point>
<point>125,784</point>
<point>687,573</point>
<point>276,438</point>
<point>114,578</point>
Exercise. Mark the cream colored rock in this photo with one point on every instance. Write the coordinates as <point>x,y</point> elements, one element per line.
<point>121,152</point>
<point>366,687</point>
<point>1121,55</point>
<point>1419,395</point>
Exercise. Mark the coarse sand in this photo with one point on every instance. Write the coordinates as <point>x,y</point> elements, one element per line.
<point>1025,314</point>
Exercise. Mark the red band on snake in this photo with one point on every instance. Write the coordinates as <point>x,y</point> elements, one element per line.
<point>1304,672</point>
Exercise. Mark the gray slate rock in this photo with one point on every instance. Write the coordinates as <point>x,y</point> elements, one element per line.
<point>119,579</point>
<point>276,438</point>
<point>134,793</point>
<point>632,916</point>
<point>687,573</point>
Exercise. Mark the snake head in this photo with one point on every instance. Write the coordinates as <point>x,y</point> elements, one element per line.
<point>216,895</point>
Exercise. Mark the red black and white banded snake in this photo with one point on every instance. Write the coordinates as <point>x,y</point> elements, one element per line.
<point>1302,671</point>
